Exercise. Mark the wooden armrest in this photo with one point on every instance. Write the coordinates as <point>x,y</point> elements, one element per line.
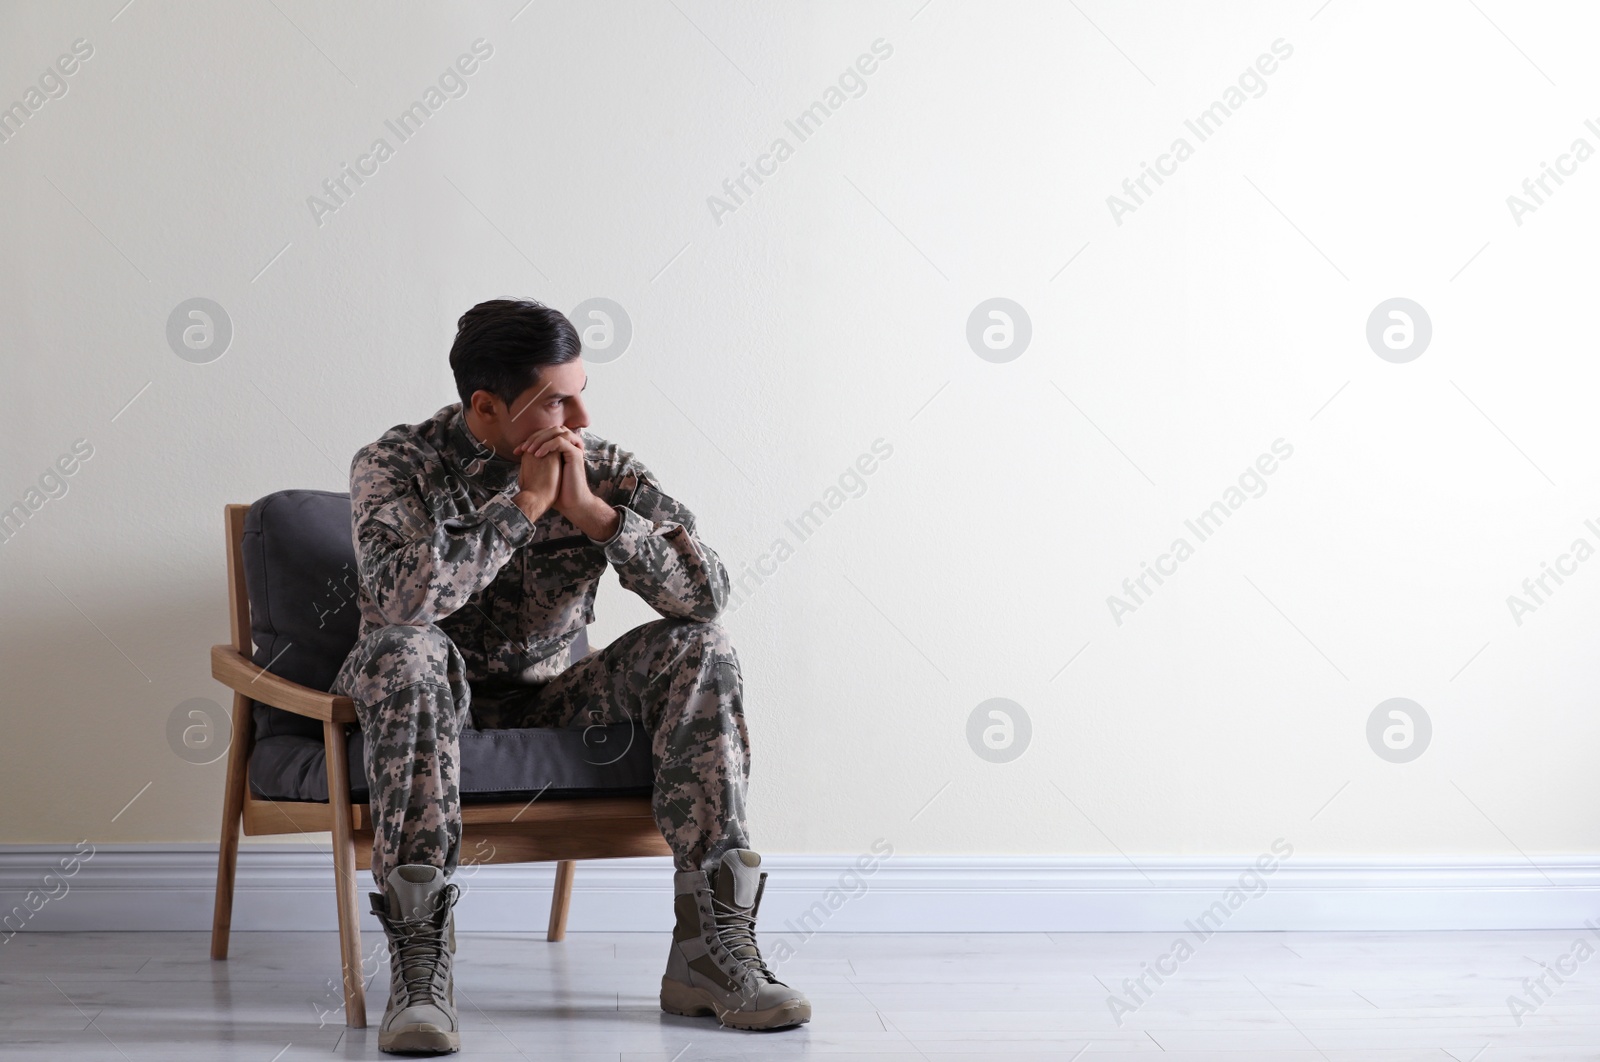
<point>236,671</point>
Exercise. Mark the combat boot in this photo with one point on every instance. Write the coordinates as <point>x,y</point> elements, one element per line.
<point>714,965</point>
<point>418,917</point>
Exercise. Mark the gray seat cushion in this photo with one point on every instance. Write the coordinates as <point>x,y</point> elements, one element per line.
<point>300,573</point>
<point>496,765</point>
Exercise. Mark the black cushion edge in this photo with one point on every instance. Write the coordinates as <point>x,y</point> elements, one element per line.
<point>496,765</point>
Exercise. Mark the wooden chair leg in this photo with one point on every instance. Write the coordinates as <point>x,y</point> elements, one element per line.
<point>233,793</point>
<point>561,900</point>
<point>344,876</point>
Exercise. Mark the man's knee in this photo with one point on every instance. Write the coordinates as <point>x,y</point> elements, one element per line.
<point>400,654</point>
<point>703,647</point>
<point>712,637</point>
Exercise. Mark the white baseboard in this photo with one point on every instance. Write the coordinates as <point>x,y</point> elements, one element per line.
<point>283,887</point>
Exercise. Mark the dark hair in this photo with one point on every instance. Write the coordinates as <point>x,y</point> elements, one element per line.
<point>502,344</point>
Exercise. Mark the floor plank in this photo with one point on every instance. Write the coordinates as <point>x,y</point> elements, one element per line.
<point>952,997</point>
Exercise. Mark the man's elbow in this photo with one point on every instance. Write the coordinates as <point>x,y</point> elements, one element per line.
<point>713,598</point>
<point>408,610</point>
<point>703,605</point>
<point>707,609</point>
<point>697,610</point>
<point>411,618</point>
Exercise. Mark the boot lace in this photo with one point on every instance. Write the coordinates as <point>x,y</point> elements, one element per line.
<point>735,929</point>
<point>421,953</point>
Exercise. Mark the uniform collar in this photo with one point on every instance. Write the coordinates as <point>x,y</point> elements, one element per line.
<point>474,459</point>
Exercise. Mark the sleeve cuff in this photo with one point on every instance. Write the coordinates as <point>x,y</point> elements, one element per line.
<point>631,529</point>
<point>509,520</point>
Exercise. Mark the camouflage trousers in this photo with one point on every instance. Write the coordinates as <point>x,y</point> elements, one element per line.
<point>680,678</point>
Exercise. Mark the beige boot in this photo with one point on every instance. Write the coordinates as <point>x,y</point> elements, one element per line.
<point>714,965</point>
<point>417,916</point>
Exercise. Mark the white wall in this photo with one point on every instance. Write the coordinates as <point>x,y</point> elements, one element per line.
<point>827,311</point>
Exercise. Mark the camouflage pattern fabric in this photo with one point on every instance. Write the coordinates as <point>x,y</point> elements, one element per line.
<point>468,615</point>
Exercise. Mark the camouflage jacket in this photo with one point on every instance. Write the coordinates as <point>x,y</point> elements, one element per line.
<point>439,540</point>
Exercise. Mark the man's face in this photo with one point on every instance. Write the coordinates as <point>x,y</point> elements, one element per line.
<point>555,399</point>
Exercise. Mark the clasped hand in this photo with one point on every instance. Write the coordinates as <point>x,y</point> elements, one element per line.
<point>553,476</point>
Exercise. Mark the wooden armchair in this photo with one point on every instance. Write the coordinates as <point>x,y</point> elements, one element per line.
<point>517,830</point>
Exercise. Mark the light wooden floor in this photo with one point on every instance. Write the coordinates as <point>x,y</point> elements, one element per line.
<point>1385,997</point>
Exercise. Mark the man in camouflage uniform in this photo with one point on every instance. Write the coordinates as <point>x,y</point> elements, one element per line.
<point>481,534</point>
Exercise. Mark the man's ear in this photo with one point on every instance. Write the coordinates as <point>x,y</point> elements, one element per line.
<point>483,403</point>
